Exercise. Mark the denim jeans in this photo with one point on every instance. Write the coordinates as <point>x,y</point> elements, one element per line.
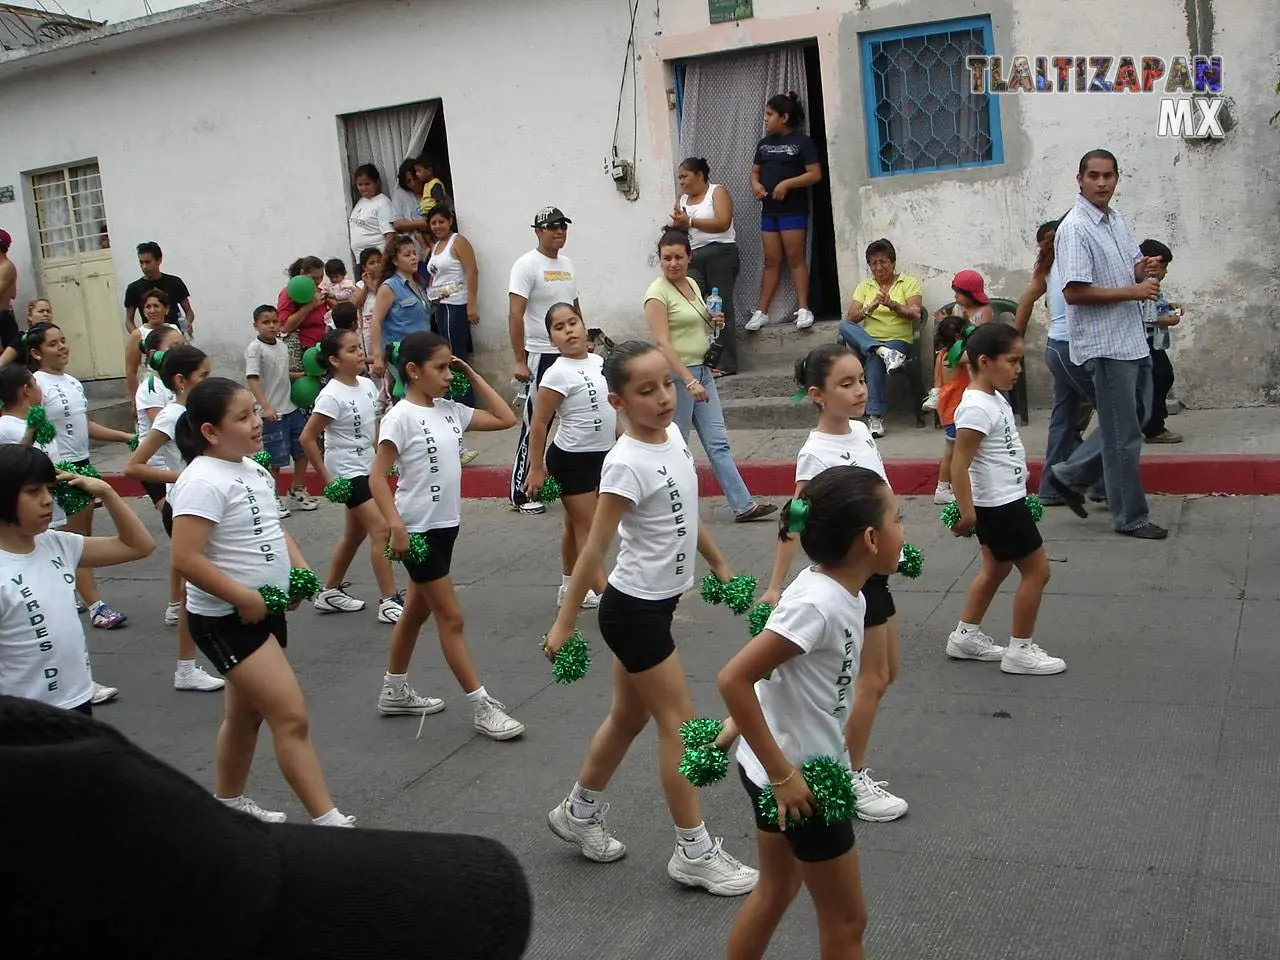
<point>855,336</point>
<point>1072,386</point>
<point>708,419</point>
<point>1122,389</point>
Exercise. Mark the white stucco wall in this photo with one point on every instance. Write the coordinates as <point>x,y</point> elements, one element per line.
<point>224,147</point>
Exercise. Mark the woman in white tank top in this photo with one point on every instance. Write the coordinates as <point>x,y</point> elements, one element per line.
<point>705,209</point>
<point>451,282</point>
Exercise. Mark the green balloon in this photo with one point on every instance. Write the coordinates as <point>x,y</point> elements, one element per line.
<point>304,392</point>
<point>311,362</point>
<point>301,289</point>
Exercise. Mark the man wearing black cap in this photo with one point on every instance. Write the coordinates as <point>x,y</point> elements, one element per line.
<point>8,290</point>
<point>539,280</point>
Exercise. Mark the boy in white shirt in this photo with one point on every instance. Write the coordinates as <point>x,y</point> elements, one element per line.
<point>266,369</point>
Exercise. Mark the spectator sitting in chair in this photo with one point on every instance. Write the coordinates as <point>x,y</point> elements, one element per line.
<point>974,306</point>
<point>880,323</point>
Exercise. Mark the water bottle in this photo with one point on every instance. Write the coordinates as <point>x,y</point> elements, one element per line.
<point>715,303</point>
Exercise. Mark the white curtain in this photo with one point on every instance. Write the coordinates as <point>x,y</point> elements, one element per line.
<point>69,211</point>
<point>721,119</point>
<point>385,138</point>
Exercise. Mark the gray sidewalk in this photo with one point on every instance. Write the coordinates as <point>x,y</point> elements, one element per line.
<point>1125,809</point>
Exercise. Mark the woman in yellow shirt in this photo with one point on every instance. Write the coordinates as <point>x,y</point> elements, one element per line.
<point>879,326</point>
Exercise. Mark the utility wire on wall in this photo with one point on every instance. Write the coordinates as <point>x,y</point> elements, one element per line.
<point>629,60</point>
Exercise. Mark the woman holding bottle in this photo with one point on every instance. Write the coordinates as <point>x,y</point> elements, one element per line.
<point>705,209</point>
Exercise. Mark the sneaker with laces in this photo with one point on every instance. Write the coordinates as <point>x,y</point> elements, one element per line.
<point>390,608</point>
<point>591,836</point>
<point>931,401</point>
<point>337,600</point>
<point>873,802</point>
<point>973,645</point>
<point>104,618</point>
<point>942,493</point>
<point>893,359</point>
<point>249,806</point>
<point>197,679</point>
<point>282,504</point>
<point>589,602</point>
<point>403,700</point>
<point>804,319</point>
<point>102,693</point>
<point>530,508</point>
<point>875,424</point>
<point>302,500</point>
<point>344,820</point>
<point>468,456</point>
<point>717,872</point>
<point>1029,659</point>
<point>492,720</point>
<point>758,320</point>
<point>171,613</point>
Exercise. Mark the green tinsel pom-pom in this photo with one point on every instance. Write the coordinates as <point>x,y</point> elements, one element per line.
<point>549,492</point>
<point>393,472</point>
<point>69,498</point>
<point>911,563</point>
<point>262,459</point>
<point>700,731</point>
<point>277,600</point>
<point>758,618</point>
<point>418,549</point>
<point>830,783</point>
<point>740,594</point>
<point>338,490</point>
<point>705,765</point>
<point>712,589</point>
<point>458,385</point>
<point>573,661</point>
<point>133,441</point>
<point>1036,507</point>
<point>950,516</point>
<point>38,420</point>
<point>303,584</point>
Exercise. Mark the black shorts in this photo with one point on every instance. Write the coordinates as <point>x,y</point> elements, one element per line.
<point>8,328</point>
<point>1008,531</point>
<point>166,517</point>
<point>439,558</point>
<point>812,842</point>
<point>577,473</point>
<point>360,492</point>
<point>638,632</point>
<point>879,601</point>
<point>226,640</point>
<point>156,491</point>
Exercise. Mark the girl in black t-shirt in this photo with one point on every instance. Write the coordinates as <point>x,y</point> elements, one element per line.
<point>785,167</point>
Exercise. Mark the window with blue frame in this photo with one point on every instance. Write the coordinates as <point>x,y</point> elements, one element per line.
<point>921,115</point>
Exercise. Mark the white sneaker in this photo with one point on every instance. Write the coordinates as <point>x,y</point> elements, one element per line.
<point>404,701</point>
<point>1028,658</point>
<point>974,645</point>
<point>531,508</point>
<point>282,504</point>
<point>804,319</point>
<point>247,805</point>
<point>171,614</point>
<point>343,821</point>
<point>591,836</point>
<point>491,719</point>
<point>943,494</point>
<point>589,602</point>
<point>931,401</point>
<point>893,359</point>
<point>102,693</point>
<point>337,600</point>
<point>390,608</point>
<point>302,500</point>
<point>876,425</point>
<point>197,680</point>
<point>758,320</point>
<point>468,456</point>
<point>717,872</point>
<point>874,803</point>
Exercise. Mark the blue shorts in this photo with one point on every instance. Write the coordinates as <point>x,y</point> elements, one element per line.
<point>949,431</point>
<point>789,221</point>
<point>283,438</point>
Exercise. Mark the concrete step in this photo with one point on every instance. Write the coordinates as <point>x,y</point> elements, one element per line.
<point>109,405</point>
<point>779,340</point>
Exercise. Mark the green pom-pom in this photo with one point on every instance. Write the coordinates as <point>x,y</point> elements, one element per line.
<point>459,385</point>
<point>549,492</point>
<point>1036,507</point>
<point>830,783</point>
<point>758,617</point>
<point>38,421</point>
<point>89,470</point>
<point>950,516</point>
<point>419,547</point>
<point>705,765</point>
<point>573,661</point>
<point>303,584</point>
<point>393,472</point>
<point>262,459</point>
<point>700,731</point>
<point>911,563</point>
<point>133,441</point>
<point>277,600</point>
<point>69,498</point>
<point>338,490</point>
<point>712,589</point>
<point>740,594</point>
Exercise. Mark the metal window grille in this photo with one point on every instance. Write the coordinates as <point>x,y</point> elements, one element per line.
<point>70,215</point>
<point>921,114</point>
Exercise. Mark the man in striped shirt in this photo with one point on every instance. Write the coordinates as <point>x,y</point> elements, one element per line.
<point>1104,280</point>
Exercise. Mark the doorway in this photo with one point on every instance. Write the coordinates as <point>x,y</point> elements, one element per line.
<point>720,104</point>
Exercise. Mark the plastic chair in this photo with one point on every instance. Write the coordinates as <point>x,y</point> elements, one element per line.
<point>918,373</point>
<point>1000,307</point>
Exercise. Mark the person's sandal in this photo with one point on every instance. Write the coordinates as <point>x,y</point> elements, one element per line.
<point>757,511</point>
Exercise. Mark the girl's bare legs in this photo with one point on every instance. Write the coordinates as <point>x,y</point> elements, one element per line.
<point>404,635</point>
<point>762,911</point>
<point>376,528</point>
<point>1034,571</point>
<point>344,551</point>
<point>443,603</point>
<point>984,587</point>
<point>793,242</point>
<point>771,245</point>
<point>627,717</point>
<point>835,886</point>
<point>665,694</point>
<point>578,511</point>
<point>236,744</point>
<point>944,465</point>
<point>878,669</point>
<point>86,583</point>
<point>176,592</point>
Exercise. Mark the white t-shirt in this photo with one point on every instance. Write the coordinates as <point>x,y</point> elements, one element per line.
<point>587,423</point>
<point>246,541</point>
<point>428,442</point>
<point>150,395</point>
<point>370,222</point>
<point>658,536</point>
<point>857,448</point>
<point>13,430</point>
<point>166,424</point>
<point>348,439</point>
<point>998,472</point>
<point>366,308</point>
<point>42,650</point>
<point>269,362</point>
<point>806,701</point>
<point>543,282</point>
<point>68,410</point>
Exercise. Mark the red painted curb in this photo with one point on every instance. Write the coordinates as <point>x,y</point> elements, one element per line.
<point>1241,474</point>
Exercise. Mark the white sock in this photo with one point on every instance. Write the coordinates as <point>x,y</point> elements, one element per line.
<point>333,818</point>
<point>564,582</point>
<point>944,484</point>
<point>694,842</point>
<point>1019,641</point>
<point>968,627</point>
<point>582,803</point>
<point>186,667</point>
<point>228,801</point>
<point>396,680</point>
<point>175,605</point>
<point>96,606</point>
<point>478,696</point>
